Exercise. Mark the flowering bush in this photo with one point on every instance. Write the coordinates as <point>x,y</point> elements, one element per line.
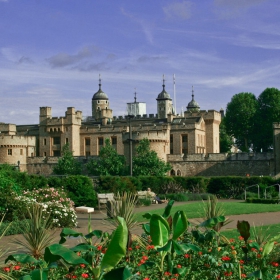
<point>55,202</point>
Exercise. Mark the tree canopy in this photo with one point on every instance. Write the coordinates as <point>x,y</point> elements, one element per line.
<point>240,118</point>
<point>147,163</point>
<point>267,113</point>
<point>226,141</point>
<point>108,162</point>
<point>67,164</point>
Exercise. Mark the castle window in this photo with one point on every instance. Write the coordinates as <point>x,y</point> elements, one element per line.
<point>87,154</point>
<point>45,154</point>
<point>66,128</point>
<point>172,172</point>
<point>66,140</point>
<point>171,144</point>
<point>98,101</point>
<point>98,108</point>
<point>178,173</point>
<point>10,153</point>
<point>56,153</point>
<point>56,140</point>
<point>87,141</point>
<point>21,152</point>
<point>114,142</point>
<point>45,141</point>
<point>184,143</point>
<point>100,143</point>
<point>106,101</point>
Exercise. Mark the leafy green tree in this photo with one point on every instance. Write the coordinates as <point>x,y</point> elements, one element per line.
<point>67,164</point>
<point>147,163</point>
<point>108,162</point>
<point>240,118</point>
<point>268,112</point>
<point>226,140</point>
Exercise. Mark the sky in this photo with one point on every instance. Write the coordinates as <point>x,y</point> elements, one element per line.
<point>52,52</point>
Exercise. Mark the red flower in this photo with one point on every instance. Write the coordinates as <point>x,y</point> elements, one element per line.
<point>179,266</point>
<point>74,277</point>
<point>99,248</point>
<point>129,249</point>
<point>16,267</point>
<point>278,276</point>
<point>145,258</point>
<point>228,273</point>
<point>200,253</point>
<point>146,278</point>
<point>82,265</point>
<point>167,273</point>
<point>240,238</point>
<point>243,275</point>
<point>6,269</point>
<point>225,258</point>
<point>275,264</point>
<point>84,275</point>
<point>186,256</point>
<point>241,261</point>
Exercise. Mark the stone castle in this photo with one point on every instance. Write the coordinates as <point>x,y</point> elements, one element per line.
<point>189,142</point>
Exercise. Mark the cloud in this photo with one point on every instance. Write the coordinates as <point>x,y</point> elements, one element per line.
<point>181,10</point>
<point>63,59</point>
<point>89,67</point>
<point>230,9</point>
<point>146,26</point>
<point>25,59</point>
<point>146,58</point>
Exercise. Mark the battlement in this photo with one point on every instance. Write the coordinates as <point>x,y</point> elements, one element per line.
<point>7,129</point>
<point>207,115</point>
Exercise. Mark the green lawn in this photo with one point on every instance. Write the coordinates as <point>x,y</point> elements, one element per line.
<point>194,210</point>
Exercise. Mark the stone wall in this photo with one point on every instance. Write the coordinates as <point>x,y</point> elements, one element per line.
<point>240,164</point>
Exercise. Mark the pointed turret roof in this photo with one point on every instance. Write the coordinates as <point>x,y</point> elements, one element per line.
<point>100,94</point>
<point>163,95</point>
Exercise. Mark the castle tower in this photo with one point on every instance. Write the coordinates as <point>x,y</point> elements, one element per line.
<point>193,105</point>
<point>100,105</point>
<point>164,103</point>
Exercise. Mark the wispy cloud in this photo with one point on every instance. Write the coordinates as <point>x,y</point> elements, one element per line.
<point>178,10</point>
<point>229,9</point>
<point>64,59</point>
<point>145,26</point>
<point>25,59</point>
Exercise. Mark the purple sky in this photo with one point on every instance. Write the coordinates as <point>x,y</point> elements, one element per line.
<point>51,53</point>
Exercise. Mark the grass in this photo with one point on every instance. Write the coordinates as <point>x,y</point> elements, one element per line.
<point>195,209</point>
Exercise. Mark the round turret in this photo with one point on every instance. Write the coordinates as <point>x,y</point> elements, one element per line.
<point>193,105</point>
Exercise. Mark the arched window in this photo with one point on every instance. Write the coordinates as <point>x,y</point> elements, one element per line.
<point>178,172</point>
<point>172,172</point>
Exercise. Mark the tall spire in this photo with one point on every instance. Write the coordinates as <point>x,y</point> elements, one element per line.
<point>174,91</point>
<point>192,93</point>
<point>163,82</point>
<point>99,81</point>
<point>135,96</point>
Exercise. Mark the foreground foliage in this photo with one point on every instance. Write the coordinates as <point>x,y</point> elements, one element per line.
<point>176,250</point>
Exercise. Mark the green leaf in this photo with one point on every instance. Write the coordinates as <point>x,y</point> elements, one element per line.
<point>267,248</point>
<point>146,265</point>
<point>83,248</point>
<point>96,233</point>
<point>188,247</point>
<point>56,251</point>
<point>180,224</point>
<point>70,233</point>
<point>21,258</point>
<point>181,271</point>
<point>147,216</point>
<point>39,274</point>
<point>159,230</point>
<point>254,245</point>
<point>166,248</point>
<point>210,223</point>
<point>122,273</point>
<point>178,248</point>
<point>167,209</point>
<point>117,247</point>
<point>244,228</point>
<point>146,228</point>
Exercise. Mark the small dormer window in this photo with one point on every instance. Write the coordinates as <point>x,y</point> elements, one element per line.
<point>98,101</point>
<point>106,101</point>
<point>98,108</point>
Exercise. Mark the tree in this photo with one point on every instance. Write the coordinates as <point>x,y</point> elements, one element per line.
<point>108,162</point>
<point>67,164</point>
<point>147,163</point>
<point>240,118</point>
<point>268,112</point>
<point>226,140</point>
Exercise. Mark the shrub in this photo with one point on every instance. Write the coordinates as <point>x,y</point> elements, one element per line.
<point>174,196</point>
<point>262,200</point>
<point>80,190</point>
<point>55,202</point>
